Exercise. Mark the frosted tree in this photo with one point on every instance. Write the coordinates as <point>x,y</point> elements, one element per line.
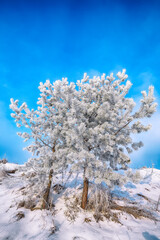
<point>47,128</point>
<point>87,126</point>
<point>104,121</point>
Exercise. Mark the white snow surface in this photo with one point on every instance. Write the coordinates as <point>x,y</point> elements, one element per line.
<point>9,166</point>
<point>38,224</point>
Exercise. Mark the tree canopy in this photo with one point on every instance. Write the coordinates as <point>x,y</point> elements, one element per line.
<point>86,126</point>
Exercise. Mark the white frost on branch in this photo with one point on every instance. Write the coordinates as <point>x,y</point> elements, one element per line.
<point>86,126</point>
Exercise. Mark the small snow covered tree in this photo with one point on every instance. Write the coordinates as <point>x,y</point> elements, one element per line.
<point>87,127</point>
<point>105,119</point>
<point>47,128</point>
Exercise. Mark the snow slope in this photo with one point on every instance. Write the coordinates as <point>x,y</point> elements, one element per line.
<point>38,224</point>
<point>9,166</point>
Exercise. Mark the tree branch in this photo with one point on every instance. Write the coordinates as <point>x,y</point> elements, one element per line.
<point>40,138</point>
<point>122,127</point>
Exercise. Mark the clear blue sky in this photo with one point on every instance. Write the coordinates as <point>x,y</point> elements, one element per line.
<point>50,40</point>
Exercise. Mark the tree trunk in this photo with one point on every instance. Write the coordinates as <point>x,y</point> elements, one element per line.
<point>85,193</point>
<point>45,202</point>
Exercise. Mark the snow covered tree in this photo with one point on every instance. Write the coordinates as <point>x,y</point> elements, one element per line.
<point>47,127</point>
<point>104,121</point>
<point>86,126</point>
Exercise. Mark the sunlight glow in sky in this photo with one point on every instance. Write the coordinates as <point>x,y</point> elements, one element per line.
<point>50,40</point>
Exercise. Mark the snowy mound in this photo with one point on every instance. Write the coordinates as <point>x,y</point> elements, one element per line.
<point>19,223</point>
<point>9,166</point>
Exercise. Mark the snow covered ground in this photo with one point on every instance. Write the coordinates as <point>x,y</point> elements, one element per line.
<point>24,224</point>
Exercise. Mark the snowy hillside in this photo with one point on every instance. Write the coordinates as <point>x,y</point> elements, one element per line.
<point>73,223</point>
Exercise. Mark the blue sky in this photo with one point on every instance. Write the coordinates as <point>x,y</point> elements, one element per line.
<point>50,40</point>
